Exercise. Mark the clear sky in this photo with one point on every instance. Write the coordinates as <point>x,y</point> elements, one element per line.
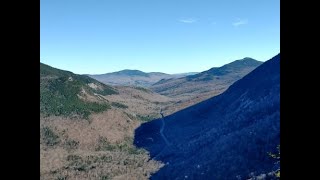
<point>170,36</point>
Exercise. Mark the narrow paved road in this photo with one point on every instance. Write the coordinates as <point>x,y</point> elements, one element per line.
<point>162,128</point>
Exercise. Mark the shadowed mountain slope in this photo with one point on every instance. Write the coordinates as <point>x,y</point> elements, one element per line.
<point>225,137</point>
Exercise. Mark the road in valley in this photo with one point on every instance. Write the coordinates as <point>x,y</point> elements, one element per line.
<point>162,128</point>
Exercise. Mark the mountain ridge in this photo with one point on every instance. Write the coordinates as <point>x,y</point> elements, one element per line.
<point>65,93</point>
<point>130,77</point>
<point>193,89</point>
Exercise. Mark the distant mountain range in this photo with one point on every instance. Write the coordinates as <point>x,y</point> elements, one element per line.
<point>195,88</point>
<point>225,137</point>
<point>86,124</point>
<point>135,77</point>
<point>214,80</point>
<point>185,89</point>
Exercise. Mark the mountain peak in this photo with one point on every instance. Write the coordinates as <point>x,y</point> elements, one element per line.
<point>234,66</point>
<point>248,59</point>
<point>131,72</point>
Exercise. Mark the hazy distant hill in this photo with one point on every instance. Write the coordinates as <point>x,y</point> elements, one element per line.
<point>134,77</point>
<point>226,137</point>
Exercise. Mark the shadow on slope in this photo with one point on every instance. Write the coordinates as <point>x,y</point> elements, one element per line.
<point>225,137</point>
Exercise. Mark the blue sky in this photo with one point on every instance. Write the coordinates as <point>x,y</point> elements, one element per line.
<point>171,36</point>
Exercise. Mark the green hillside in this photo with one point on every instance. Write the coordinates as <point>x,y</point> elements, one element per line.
<point>60,90</point>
